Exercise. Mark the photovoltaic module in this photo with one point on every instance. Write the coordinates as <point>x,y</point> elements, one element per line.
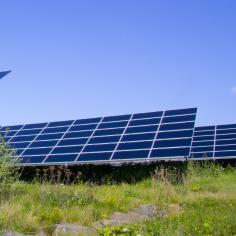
<point>214,142</point>
<point>159,135</point>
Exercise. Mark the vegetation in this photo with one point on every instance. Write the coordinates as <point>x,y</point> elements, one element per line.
<point>8,170</point>
<point>203,204</point>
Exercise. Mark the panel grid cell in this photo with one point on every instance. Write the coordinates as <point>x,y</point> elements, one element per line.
<point>80,154</point>
<point>157,132</point>
<point>116,147</point>
<point>52,150</point>
<point>15,134</point>
<point>22,154</point>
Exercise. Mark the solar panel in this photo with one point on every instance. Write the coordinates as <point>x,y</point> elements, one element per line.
<point>4,73</point>
<point>214,142</point>
<point>125,138</point>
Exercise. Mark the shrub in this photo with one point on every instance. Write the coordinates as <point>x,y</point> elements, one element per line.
<point>8,168</point>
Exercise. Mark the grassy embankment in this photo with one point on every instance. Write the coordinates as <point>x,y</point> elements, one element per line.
<point>205,204</point>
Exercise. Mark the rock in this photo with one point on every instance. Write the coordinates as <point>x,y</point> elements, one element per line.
<point>137,215</point>
<point>73,229</point>
<point>147,210</point>
<point>12,233</point>
<point>41,233</point>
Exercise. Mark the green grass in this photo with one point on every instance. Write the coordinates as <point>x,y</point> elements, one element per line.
<point>205,204</point>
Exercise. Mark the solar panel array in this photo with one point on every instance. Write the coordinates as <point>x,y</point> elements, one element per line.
<point>134,137</point>
<point>214,142</point>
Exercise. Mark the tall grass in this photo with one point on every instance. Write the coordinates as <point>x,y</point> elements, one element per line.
<point>205,191</point>
<point>205,204</point>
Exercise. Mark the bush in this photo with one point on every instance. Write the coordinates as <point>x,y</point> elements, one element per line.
<point>8,168</point>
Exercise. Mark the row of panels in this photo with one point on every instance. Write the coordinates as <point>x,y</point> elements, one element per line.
<point>107,156</point>
<point>126,146</point>
<point>147,137</point>
<point>124,133</point>
<point>106,140</point>
<point>213,127</point>
<point>141,136</point>
<point>109,127</point>
<point>79,139</point>
<point>143,116</point>
<point>105,147</point>
<point>214,142</point>
<point>99,132</point>
<point>109,143</point>
<point>229,154</point>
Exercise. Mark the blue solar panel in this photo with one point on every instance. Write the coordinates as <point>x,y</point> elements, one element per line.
<point>170,152</point>
<point>134,137</point>
<point>214,142</point>
<point>133,154</point>
<point>93,156</point>
<point>64,158</point>
<point>31,160</point>
<point>135,145</point>
<point>4,73</point>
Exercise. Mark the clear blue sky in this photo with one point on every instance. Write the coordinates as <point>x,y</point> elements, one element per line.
<point>75,59</point>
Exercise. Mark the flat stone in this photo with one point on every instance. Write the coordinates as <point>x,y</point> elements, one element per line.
<point>73,229</point>
<point>150,211</point>
<point>12,233</point>
<point>137,215</point>
<point>127,218</point>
